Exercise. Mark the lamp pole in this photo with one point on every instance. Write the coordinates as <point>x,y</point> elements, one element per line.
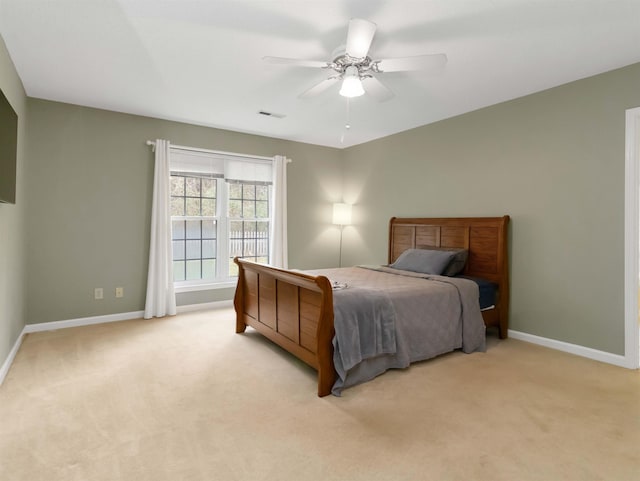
<point>340,254</point>
<point>341,217</point>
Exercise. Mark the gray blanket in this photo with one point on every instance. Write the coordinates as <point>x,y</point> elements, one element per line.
<point>365,323</point>
<point>432,315</point>
<point>473,331</point>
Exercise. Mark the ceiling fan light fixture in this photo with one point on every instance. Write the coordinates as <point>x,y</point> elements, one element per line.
<point>351,84</point>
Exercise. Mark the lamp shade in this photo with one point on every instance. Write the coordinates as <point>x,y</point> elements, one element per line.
<point>342,214</point>
<point>351,85</point>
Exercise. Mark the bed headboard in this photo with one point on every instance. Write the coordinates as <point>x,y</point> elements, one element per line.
<point>484,237</point>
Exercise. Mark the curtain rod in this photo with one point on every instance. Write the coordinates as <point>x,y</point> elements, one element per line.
<point>217,152</point>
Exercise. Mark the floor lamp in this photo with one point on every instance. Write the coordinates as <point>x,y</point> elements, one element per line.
<point>341,217</point>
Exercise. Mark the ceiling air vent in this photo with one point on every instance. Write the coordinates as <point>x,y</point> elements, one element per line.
<point>271,114</point>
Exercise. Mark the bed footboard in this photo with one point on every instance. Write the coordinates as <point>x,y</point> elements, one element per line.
<point>292,309</point>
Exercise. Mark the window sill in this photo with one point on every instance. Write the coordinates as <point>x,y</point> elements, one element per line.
<point>179,288</point>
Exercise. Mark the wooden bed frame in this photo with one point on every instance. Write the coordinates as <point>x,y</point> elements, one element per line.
<point>295,309</point>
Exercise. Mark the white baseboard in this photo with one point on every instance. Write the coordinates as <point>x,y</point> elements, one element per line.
<point>82,321</point>
<point>582,351</point>
<point>204,306</point>
<point>87,321</point>
<point>9,360</point>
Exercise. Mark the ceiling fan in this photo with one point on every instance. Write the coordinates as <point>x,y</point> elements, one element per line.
<point>356,69</point>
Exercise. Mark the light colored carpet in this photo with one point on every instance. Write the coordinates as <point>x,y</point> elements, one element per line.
<point>185,398</point>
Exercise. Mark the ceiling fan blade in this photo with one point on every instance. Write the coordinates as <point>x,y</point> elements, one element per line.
<point>433,62</point>
<point>376,89</point>
<point>295,61</point>
<point>319,88</point>
<point>359,37</point>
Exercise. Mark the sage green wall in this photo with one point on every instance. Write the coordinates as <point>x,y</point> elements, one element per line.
<point>12,218</point>
<point>90,181</point>
<point>554,161</point>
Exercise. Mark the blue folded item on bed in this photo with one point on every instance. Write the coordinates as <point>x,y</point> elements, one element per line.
<point>488,291</point>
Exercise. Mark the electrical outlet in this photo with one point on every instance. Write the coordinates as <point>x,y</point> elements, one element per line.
<point>119,291</point>
<point>98,293</point>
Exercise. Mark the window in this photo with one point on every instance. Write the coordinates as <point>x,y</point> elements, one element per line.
<point>248,223</point>
<point>220,209</point>
<point>193,227</point>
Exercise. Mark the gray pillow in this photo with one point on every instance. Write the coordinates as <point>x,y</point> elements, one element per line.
<point>426,261</point>
<point>457,263</point>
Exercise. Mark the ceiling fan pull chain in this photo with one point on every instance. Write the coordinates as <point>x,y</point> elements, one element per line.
<point>348,124</point>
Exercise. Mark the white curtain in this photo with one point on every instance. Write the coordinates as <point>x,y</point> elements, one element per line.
<point>161,299</point>
<point>278,249</point>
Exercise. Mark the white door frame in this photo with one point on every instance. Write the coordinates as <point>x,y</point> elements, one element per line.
<point>631,238</point>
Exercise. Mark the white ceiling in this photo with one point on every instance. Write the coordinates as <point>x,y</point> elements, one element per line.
<point>201,61</point>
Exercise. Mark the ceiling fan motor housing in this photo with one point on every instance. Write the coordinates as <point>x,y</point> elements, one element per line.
<point>344,61</point>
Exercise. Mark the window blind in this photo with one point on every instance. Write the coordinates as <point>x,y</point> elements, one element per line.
<point>248,171</point>
<point>232,169</point>
<point>196,163</point>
